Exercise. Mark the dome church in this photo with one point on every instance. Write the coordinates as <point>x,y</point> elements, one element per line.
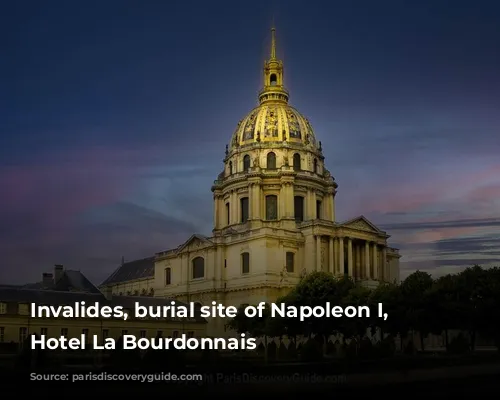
<point>274,218</point>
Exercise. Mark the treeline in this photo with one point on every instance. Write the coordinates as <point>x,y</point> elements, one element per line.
<point>468,301</point>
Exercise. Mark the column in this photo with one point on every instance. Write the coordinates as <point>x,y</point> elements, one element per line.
<point>258,200</point>
<point>374,259</point>
<point>318,253</point>
<point>341,255</point>
<point>384,264</point>
<point>251,200</point>
<point>367,260</point>
<point>336,269</point>
<point>349,258</point>
<point>330,256</point>
<point>313,204</point>
<point>216,211</point>
<point>289,200</point>
<point>234,207</point>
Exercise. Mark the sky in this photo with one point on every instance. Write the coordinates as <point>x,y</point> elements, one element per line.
<point>114,116</point>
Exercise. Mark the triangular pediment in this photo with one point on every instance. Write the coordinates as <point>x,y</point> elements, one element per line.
<point>194,242</point>
<point>362,224</point>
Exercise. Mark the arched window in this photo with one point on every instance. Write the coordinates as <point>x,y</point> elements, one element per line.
<point>246,163</point>
<point>315,166</point>
<point>198,268</point>
<point>245,263</point>
<point>143,292</point>
<point>273,80</point>
<point>244,209</point>
<point>168,276</point>
<point>298,203</point>
<point>290,261</point>
<point>151,292</point>
<point>271,160</point>
<point>296,162</point>
<point>230,167</point>
<point>271,207</point>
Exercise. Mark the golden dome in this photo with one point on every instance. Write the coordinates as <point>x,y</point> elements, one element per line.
<point>273,121</point>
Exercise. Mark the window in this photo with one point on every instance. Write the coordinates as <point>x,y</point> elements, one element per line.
<point>105,333</point>
<point>2,334</point>
<point>244,209</point>
<point>143,292</point>
<point>64,332</point>
<point>198,268</point>
<point>190,334</point>
<point>44,331</point>
<point>3,308</point>
<point>85,332</point>
<point>271,208</point>
<point>175,334</point>
<point>230,167</point>
<point>136,293</point>
<point>228,213</point>
<point>143,334</point>
<point>273,80</point>
<point>290,261</point>
<point>245,263</point>
<point>246,163</point>
<point>23,334</point>
<point>23,309</point>
<point>298,204</point>
<point>315,166</point>
<point>151,292</point>
<point>296,162</point>
<point>271,160</point>
<point>168,276</point>
<point>318,209</point>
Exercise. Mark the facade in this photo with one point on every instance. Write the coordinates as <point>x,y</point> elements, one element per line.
<point>274,217</point>
<point>68,287</point>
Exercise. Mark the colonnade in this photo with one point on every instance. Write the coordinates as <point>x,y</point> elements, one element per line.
<point>357,258</point>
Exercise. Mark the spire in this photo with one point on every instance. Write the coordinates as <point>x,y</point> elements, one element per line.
<point>273,90</point>
<point>273,43</point>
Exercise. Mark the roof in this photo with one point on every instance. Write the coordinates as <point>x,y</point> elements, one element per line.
<point>70,281</point>
<point>13,296</point>
<point>133,270</point>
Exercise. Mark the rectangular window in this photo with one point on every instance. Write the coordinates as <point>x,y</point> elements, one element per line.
<point>2,334</point>
<point>23,309</point>
<point>228,213</point>
<point>271,208</point>
<point>290,261</point>
<point>244,209</point>
<point>143,334</point>
<point>298,203</point>
<point>3,308</point>
<point>245,263</point>
<point>23,334</point>
<point>168,276</point>
<point>318,209</point>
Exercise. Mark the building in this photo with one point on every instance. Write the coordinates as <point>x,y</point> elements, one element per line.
<point>68,287</point>
<point>274,218</point>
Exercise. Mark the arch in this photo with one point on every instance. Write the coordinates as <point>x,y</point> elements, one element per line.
<point>273,80</point>
<point>296,162</point>
<point>271,160</point>
<point>230,167</point>
<point>271,207</point>
<point>245,262</point>
<point>246,163</point>
<point>315,166</point>
<point>143,292</point>
<point>198,267</point>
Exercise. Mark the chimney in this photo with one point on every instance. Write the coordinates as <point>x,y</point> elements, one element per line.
<point>47,279</point>
<point>58,272</point>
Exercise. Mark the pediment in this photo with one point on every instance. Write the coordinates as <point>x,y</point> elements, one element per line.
<point>361,223</point>
<point>195,242</point>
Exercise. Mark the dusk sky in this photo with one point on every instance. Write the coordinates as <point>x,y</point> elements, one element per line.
<point>114,117</point>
